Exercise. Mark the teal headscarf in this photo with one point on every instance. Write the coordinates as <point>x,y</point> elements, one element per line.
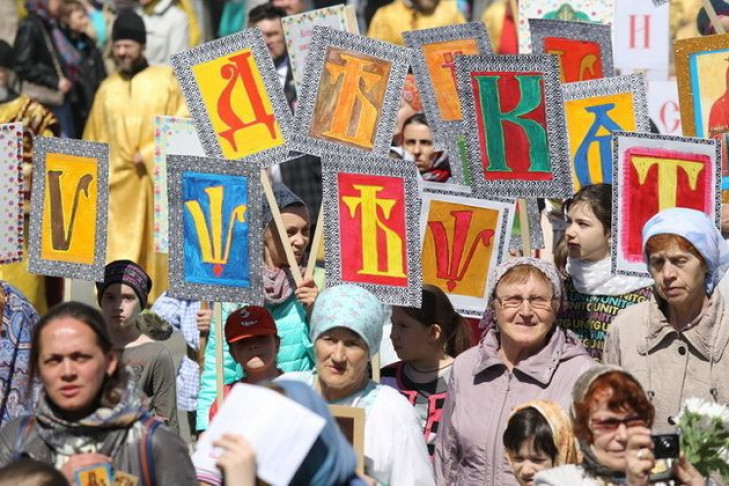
<point>353,308</point>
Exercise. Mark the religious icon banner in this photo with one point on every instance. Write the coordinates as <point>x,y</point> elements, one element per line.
<point>434,52</point>
<point>597,11</point>
<point>595,109</point>
<point>536,235</point>
<point>69,208</point>
<point>235,97</point>
<point>350,96</point>
<point>514,115</point>
<point>11,193</point>
<point>172,136</point>
<point>372,235</point>
<point>462,240</point>
<point>216,230</point>
<point>584,49</point>
<point>652,173</point>
<point>298,30</point>
<point>702,71</point>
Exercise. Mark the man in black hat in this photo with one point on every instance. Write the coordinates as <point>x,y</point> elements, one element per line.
<point>123,116</point>
<point>37,121</point>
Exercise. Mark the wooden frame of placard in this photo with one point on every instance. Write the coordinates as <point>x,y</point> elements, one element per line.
<point>634,84</point>
<point>600,34</point>
<point>351,421</point>
<point>11,174</point>
<point>44,147</point>
<point>667,145</point>
<point>325,41</point>
<point>248,41</point>
<point>560,184</point>
<point>181,167</point>
<point>369,166</point>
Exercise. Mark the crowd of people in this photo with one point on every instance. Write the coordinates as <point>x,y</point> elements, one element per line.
<point>563,380</point>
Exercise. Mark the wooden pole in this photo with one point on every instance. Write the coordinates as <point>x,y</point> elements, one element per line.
<point>376,367</point>
<point>203,341</point>
<point>315,243</point>
<point>219,336</point>
<point>290,258</point>
<point>718,27</point>
<point>526,246</point>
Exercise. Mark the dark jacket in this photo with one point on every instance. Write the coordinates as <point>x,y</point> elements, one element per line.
<point>171,463</point>
<point>33,59</point>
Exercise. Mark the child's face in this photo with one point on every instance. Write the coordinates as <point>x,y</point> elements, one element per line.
<point>410,339</point>
<point>78,21</point>
<point>527,462</point>
<point>255,354</point>
<point>120,306</point>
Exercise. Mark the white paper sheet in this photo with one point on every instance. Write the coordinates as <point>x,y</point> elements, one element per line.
<point>279,430</point>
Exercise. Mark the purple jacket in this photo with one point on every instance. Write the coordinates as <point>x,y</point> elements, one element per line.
<point>481,394</point>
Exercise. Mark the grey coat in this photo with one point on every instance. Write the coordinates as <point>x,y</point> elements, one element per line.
<point>481,394</point>
<point>672,365</point>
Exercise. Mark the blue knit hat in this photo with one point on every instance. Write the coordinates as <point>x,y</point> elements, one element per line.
<point>351,307</point>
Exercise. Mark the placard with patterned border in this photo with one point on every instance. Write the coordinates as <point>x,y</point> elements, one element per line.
<point>329,97</point>
<point>235,97</point>
<point>536,235</point>
<point>433,63</point>
<point>298,30</point>
<point>172,136</point>
<point>65,242</point>
<point>599,11</point>
<point>372,206</point>
<point>593,110</point>
<point>701,64</point>
<point>646,167</point>
<point>11,193</point>
<point>581,39</point>
<point>528,166</point>
<point>463,258</point>
<point>216,242</point>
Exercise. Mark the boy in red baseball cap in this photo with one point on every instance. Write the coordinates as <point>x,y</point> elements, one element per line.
<point>253,341</point>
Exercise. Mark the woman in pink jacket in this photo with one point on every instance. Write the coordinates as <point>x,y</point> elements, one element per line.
<point>523,357</point>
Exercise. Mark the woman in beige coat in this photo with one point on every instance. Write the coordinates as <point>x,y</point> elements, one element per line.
<point>674,344</point>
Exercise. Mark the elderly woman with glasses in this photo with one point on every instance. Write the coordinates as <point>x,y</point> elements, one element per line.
<point>675,344</point>
<point>522,357</point>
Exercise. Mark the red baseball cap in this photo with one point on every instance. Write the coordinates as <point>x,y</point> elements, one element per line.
<point>248,322</point>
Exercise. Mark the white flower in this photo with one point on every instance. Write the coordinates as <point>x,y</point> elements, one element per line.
<point>709,412</point>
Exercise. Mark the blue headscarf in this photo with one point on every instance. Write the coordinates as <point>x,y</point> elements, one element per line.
<point>351,307</point>
<point>331,460</point>
<point>699,230</point>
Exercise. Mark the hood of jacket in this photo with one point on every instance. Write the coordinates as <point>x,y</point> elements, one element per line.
<point>561,346</point>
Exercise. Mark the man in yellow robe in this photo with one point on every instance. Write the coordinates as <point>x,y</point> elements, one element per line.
<point>123,116</point>
<point>37,121</point>
<point>391,20</point>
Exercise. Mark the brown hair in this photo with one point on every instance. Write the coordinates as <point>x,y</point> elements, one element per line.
<point>623,393</point>
<point>110,392</point>
<point>70,6</point>
<point>666,240</point>
<point>437,309</point>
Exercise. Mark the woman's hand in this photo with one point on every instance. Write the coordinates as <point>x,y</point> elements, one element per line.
<point>203,319</point>
<point>238,461</point>
<point>81,461</point>
<point>639,456</point>
<point>64,85</point>
<point>307,291</point>
<point>687,474</point>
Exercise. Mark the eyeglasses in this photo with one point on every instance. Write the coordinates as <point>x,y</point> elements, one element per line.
<point>515,301</point>
<point>612,424</point>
